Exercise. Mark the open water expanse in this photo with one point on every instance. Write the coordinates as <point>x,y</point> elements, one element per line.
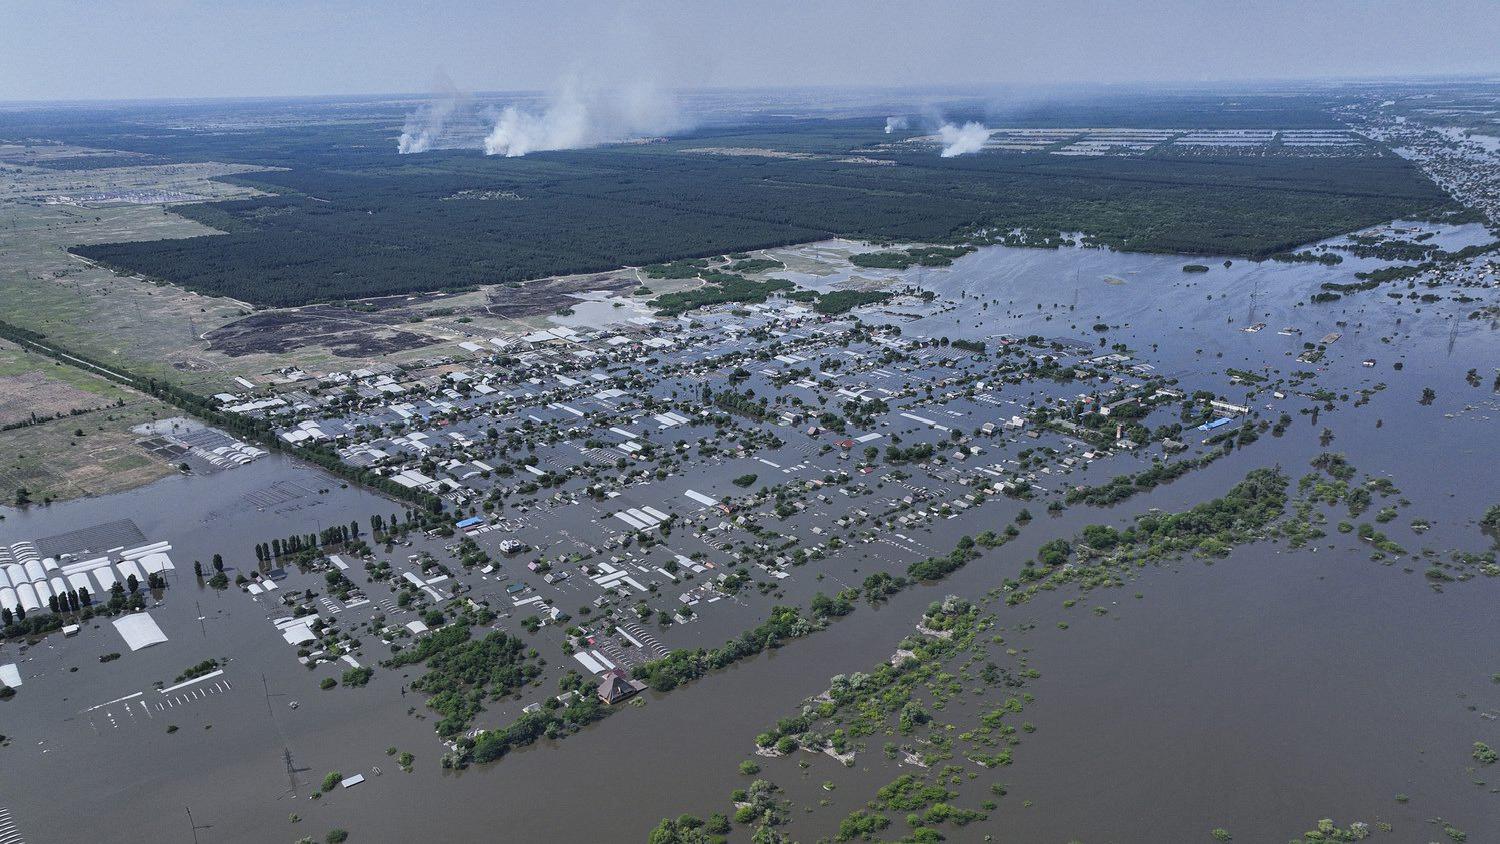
<point>1259,694</point>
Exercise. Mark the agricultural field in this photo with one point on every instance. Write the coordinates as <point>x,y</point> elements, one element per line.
<point>65,433</point>
<point>202,342</point>
<point>38,388</point>
<point>91,309</point>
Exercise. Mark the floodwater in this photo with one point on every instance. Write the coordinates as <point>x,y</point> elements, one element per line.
<point>597,310</point>
<point>1258,694</point>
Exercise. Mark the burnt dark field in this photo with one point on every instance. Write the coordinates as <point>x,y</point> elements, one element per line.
<point>349,218</point>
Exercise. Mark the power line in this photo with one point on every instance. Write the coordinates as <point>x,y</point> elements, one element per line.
<point>291,768</point>
<point>195,826</point>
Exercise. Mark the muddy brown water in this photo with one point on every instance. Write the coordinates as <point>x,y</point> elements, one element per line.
<point>1257,694</point>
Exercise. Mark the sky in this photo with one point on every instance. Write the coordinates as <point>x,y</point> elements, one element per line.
<point>138,49</point>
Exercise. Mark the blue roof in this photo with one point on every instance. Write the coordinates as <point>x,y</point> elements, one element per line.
<point>1209,426</point>
<point>471,521</point>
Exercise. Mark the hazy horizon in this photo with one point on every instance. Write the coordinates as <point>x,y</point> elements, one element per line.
<point>954,90</point>
<point>175,49</point>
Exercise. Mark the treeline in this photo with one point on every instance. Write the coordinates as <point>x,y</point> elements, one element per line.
<point>1122,487</point>
<point>843,301</point>
<point>754,265</point>
<point>1351,286</point>
<point>545,722</point>
<point>1211,528</point>
<point>1382,275</point>
<point>681,666</point>
<point>1398,272</point>
<point>925,256</point>
<point>722,289</point>
<point>463,672</point>
<point>340,231</point>
<point>296,544</point>
<point>36,419</point>
<point>937,568</point>
<point>1325,258</point>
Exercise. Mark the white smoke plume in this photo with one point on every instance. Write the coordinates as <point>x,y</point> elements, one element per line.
<point>962,140</point>
<point>896,124</point>
<point>424,127</point>
<point>574,118</point>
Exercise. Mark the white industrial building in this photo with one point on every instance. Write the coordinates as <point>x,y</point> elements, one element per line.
<point>28,580</point>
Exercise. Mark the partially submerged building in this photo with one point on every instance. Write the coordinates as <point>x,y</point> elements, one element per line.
<point>617,686</point>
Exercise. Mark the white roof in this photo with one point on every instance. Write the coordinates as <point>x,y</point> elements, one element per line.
<point>106,577</point>
<point>27,597</point>
<point>140,630</point>
<point>127,568</point>
<point>296,634</point>
<point>157,562</point>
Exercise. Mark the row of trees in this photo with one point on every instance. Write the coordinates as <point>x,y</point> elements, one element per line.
<point>254,430</point>
<point>122,596</point>
<point>335,536</point>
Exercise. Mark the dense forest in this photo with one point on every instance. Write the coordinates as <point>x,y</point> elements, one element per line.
<point>350,220</point>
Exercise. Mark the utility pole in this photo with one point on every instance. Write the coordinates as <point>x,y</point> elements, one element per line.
<point>195,826</point>
<point>291,768</point>
<point>266,686</point>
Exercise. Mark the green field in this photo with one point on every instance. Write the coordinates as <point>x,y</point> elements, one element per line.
<point>148,327</point>
<point>51,461</point>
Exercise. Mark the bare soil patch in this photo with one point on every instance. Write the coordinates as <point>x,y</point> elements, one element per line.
<point>34,395</point>
<point>345,333</point>
<point>545,296</point>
